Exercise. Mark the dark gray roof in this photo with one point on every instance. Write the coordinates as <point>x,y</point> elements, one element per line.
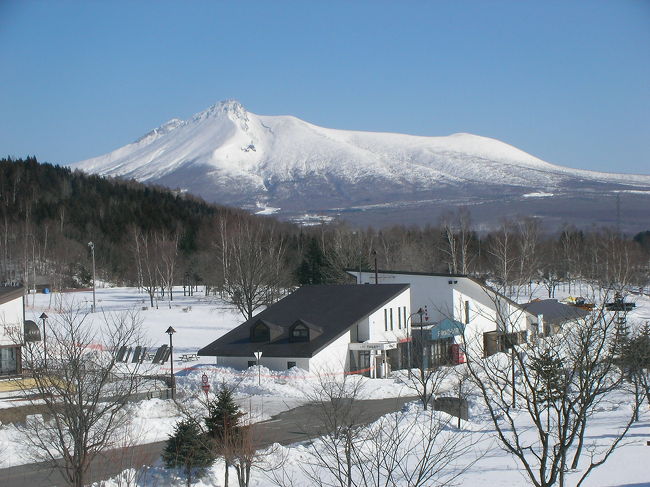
<point>555,312</point>
<point>328,310</point>
<point>409,273</point>
<point>10,293</point>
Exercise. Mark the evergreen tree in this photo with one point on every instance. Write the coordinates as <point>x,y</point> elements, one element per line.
<point>222,423</point>
<point>312,269</point>
<point>635,358</point>
<point>549,375</point>
<point>187,449</point>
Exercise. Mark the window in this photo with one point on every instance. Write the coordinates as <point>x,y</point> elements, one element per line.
<point>385,319</point>
<point>8,362</point>
<point>260,333</point>
<point>300,333</point>
<point>467,312</point>
<point>405,320</point>
<point>391,318</point>
<point>290,364</point>
<point>399,319</point>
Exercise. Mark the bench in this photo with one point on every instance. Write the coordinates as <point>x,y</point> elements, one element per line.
<point>188,357</point>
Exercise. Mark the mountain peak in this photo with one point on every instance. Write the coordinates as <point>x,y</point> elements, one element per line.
<point>229,108</point>
<point>231,156</point>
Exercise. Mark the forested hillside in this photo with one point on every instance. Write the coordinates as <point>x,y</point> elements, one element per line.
<point>50,213</point>
<point>155,238</point>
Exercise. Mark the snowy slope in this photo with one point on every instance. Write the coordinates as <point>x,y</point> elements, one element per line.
<point>229,155</point>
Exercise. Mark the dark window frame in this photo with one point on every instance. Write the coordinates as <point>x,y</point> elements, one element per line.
<point>303,334</point>
<point>258,337</point>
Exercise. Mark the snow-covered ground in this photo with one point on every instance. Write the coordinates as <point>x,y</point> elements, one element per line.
<point>488,464</point>
<point>197,319</point>
<point>210,318</point>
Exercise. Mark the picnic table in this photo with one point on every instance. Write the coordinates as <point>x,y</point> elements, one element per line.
<point>188,357</point>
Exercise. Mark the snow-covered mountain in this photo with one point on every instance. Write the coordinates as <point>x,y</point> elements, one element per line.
<point>229,155</point>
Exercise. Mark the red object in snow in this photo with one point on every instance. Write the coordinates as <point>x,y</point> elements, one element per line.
<point>457,355</point>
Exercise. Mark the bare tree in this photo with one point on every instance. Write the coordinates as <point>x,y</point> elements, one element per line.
<point>561,382</point>
<point>398,449</point>
<point>457,237</point>
<point>146,258</point>
<point>528,230</point>
<point>254,273</point>
<point>503,256</point>
<point>548,272</point>
<point>428,376</point>
<point>242,450</point>
<point>83,389</point>
<point>167,253</point>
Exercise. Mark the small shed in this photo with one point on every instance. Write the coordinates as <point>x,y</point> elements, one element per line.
<point>553,314</point>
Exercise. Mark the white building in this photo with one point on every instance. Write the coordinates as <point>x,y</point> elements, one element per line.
<point>457,305</point>
<point>12,318</point>
<point>337,328</point>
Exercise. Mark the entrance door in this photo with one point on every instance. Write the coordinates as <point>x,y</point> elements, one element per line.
<point>364,362</point>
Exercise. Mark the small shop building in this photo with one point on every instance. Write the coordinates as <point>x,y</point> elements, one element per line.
<point>454,313</point>
<point>332,328</point>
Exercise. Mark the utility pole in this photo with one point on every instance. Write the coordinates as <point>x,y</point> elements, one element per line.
<point>92,251</point>
<point>374,253</point>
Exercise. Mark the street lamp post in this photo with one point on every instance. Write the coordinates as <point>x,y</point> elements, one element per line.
<point>258,356</point>
<point>170,331</point>
<point>92,251</point>
<point>44,317</point>
<point>409,324</point>
<point>374,253</point>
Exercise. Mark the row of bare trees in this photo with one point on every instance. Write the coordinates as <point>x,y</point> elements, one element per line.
<point>543,396</point>
<point>249,259</point>
<point>156,259</point>
<point>519,251</point>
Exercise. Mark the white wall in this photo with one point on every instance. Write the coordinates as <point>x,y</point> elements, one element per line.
<point>445,297</point>
<point>273,363</point>
<point>432,292</point>
<point>374,328</point>
<point>333,358</point>
<point>11,322</point>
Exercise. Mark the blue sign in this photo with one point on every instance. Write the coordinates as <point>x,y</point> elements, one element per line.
<point>447,328</point>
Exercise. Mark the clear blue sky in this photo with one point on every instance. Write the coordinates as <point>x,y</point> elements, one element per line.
<point>567,81</point>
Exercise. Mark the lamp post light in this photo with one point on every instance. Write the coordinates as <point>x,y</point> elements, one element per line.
<point>170,331</point>
<point>258,356</point>
<point>44,317</point>
<point>92,251</point>
<point>409,324</point>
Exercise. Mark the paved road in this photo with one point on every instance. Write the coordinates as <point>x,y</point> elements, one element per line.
<point>297,424</point>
